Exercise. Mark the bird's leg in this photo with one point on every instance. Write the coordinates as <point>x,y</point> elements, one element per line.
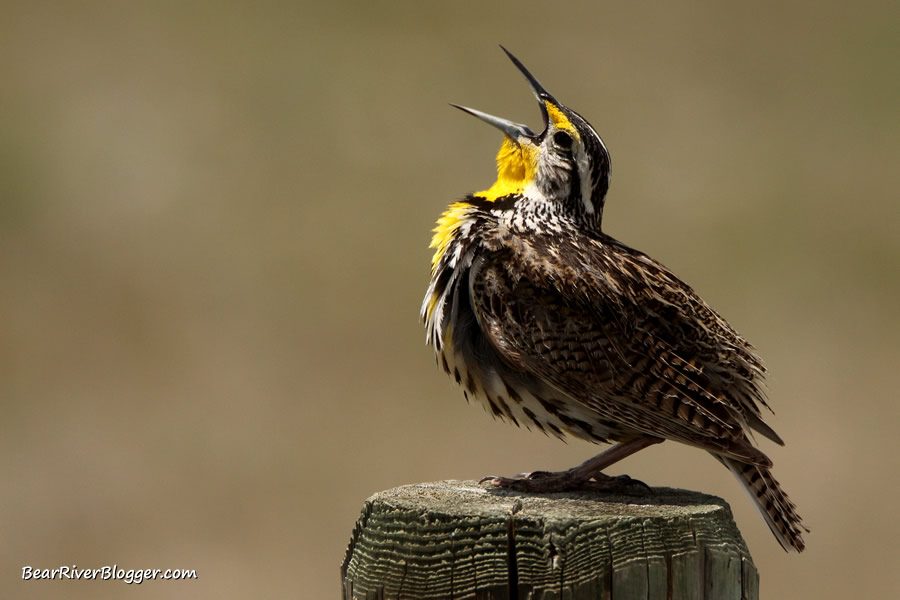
<point>587,475</point>
<point>594,466</point>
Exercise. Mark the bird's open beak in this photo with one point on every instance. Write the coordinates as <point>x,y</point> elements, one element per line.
<point>513,130</point>
<point>517,130</point>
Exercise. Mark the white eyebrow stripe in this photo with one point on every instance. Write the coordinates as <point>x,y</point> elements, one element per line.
<point>584,174</point>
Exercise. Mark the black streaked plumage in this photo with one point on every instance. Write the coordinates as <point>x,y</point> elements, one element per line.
<point>551,323</point>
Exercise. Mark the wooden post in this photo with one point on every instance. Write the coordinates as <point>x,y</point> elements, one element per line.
<point>457,539</point>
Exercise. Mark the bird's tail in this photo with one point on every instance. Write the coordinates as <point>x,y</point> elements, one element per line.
<point>774,505</point>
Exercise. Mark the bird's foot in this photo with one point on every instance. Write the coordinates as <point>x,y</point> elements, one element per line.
<point>545,482</point>
<point>539,481</point>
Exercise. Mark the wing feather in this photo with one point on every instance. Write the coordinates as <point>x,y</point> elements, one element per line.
<point>615,330</point>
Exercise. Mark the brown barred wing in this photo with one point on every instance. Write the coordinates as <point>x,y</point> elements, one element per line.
<point>591,343</point>
<point>685,332</point>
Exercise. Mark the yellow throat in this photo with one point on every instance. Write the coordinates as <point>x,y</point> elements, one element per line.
<point>516,169</point>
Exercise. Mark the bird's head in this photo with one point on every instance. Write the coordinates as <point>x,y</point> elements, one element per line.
<point>566,164</point>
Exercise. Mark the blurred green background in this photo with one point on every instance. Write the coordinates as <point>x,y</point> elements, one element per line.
<point>214,220</point>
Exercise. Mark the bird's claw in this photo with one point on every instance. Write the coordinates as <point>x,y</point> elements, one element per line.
<point>566,481</point>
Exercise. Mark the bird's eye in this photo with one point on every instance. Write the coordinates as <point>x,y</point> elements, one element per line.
<point>562,139</point>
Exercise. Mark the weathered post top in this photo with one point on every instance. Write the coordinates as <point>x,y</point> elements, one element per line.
<point>456,539</point>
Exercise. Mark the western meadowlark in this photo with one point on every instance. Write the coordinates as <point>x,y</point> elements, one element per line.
<point>551,323</point>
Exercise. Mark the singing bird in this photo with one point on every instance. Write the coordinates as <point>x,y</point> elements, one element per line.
<point>551,323</point>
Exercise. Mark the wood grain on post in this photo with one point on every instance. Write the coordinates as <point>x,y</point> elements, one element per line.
<point>456,539</point>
